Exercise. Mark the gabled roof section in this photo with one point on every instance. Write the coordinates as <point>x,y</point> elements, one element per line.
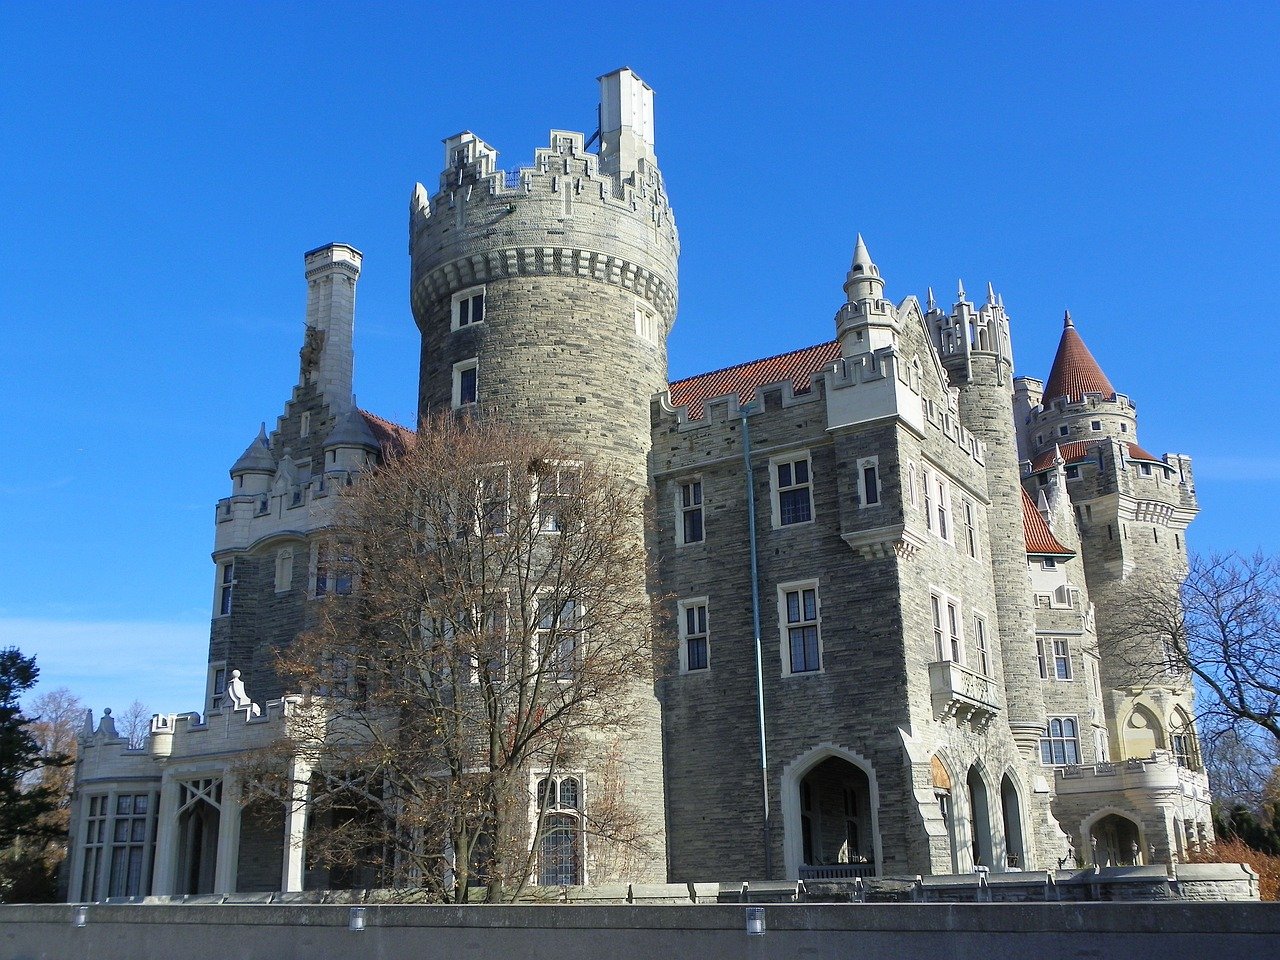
<point>392,438</point>
<point>1040,539</point>
<point>744,379</point>
<point>1075,372</point>
<point>1077,450</point>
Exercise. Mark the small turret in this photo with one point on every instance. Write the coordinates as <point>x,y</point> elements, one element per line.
<point>253,471</point>
<point>867,321</point>
<point>350,442</point>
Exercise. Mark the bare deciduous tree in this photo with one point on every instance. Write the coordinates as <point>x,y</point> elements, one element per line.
<point>1220,625</point>
<point>135,724</point>
<point>486,628</point>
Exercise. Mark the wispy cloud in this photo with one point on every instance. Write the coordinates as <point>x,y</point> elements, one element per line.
<point>112,663</point>
<point>1237,468</point>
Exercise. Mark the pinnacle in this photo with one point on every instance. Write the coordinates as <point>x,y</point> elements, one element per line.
<point>931,301</point>
<point>960,291</point>
<point>991,294</point>
<point>1067,321</point>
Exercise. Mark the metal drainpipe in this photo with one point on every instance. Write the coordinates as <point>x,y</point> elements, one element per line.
<point>755,622</point>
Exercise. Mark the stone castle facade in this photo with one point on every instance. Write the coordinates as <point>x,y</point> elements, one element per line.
<point>896,569</point>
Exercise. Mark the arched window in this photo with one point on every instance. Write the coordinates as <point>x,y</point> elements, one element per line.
<point>560,846</point>
<point>1182,741</point>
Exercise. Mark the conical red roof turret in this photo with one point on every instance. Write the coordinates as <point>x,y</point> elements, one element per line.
<point>1075,372</point>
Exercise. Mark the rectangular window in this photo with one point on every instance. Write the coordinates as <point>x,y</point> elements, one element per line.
<point>465,383</point>
<point>1061,660</point>
<point>335,569</point>
<point>954,641</point>
<point>694,648</point>
<point>1073,472</point>
<point>129,836</point>
<point>556,490</point>
<point>928,499</point>
<point>869,481</point>
<point>939,640</point>
<point>1060,744</point>
<point>792,491</point>
<point>944,511</point>
<point>980,642</point>
<point>468,307</point>
<point>1041,660</point>
<point>1095,425</point>
<point>690,511</point>
<point>94,840</point>
<point>226,586</point>
<point>799,609</point>
<point>557,638</point>
<point>217,686</point>
<point>1063,430</point>
<point>970,531</point>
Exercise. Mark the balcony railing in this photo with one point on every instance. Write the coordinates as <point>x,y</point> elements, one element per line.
<point>838,871</point>
<point>962,693</point>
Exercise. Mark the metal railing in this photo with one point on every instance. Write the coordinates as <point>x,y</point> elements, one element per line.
<point>838,871</point>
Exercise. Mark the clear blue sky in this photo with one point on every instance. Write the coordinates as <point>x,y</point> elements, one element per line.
<point>164,166</point>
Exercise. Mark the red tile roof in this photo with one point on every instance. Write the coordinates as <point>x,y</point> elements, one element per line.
<point>392,437</point>
<point>1077,450</point>
<point>1040,539</point>
<point>796,368</point>
<point>1075,372</point>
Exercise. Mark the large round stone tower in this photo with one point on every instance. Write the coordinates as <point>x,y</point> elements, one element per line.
<point>544,297</point>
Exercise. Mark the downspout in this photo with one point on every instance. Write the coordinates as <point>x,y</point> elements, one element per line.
<point>755,623</point>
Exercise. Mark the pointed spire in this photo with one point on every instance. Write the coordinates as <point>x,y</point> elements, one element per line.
<point>1000,300</point>
<point>257,456</point>
<point>932,303</point>
<point>960,291</point>
<point>863,281</point>
<point>991,294</point>
<point>1075,372</point>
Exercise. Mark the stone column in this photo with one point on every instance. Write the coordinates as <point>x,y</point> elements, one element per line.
<point>295,826</point>
<point>228,862</point>
<point>164,875</point>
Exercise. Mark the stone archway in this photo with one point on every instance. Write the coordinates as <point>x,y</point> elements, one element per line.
<point>1115,839</point>
<point>199,823</point>
<point>983,851</point>
<point>830,817</point>
<point>1015,853</point>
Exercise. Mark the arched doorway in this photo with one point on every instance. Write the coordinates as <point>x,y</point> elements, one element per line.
<point>979,819</point>
<point>829,817</point>
<point>943,787</point>
<point>1115,840</point>
<point>1015,854</point>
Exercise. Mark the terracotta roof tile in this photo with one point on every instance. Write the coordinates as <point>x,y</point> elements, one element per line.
<point>392,437</point>
<point>796,368</point>
<point>1075,372</point>
<point>1077,450</point>
<point>1040,539</point>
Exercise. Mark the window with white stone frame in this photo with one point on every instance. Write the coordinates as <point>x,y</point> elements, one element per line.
<point>944,509</point>
<point>970,528</point>
<point>689,513</point>
<point>799,620</point>
<point>981,644</point>
<point>948,633</point>
<point>468,308</point>
<point>792,490</point>
<point>132,832</point>
<point>558,805</point>
<point>466,383</point>
<point>926,484</point>
<point>226,588</point>
<point>1060,743</point>
<point>1061,659</point>
<point>695,652</point>
<point>556,489</point>
<point>869,481</point>
<point>95,839</point>
<point>557,637</point>
<point>216,694</point>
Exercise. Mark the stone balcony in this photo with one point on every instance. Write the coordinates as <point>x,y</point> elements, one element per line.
<point>1158,772</point>
<point>962,693</point>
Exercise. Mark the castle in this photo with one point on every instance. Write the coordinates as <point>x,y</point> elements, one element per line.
<point>897,570</point>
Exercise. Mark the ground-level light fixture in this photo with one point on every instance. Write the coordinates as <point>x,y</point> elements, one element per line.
<point>755,921</point>
<point>356,920</point>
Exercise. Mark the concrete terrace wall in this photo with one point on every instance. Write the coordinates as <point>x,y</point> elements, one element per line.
<point>1047,931</point>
